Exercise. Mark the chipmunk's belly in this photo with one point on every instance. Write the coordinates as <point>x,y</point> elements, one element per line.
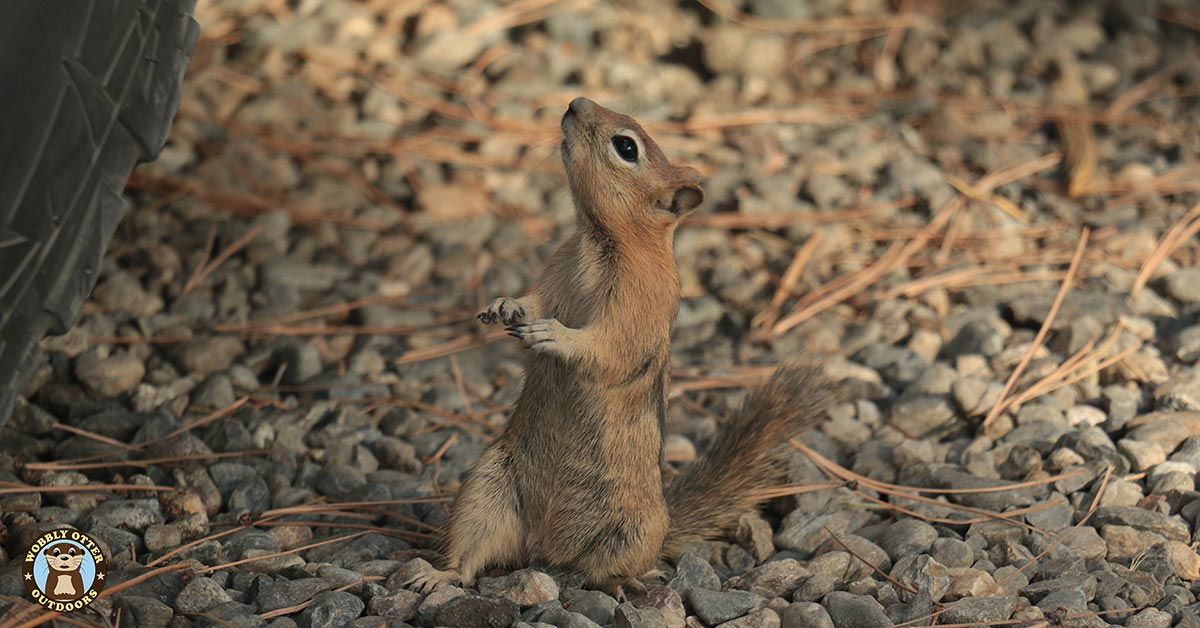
<point>584,501</point>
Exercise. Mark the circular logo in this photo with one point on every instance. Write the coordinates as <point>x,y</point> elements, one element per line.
<point>64,570</point>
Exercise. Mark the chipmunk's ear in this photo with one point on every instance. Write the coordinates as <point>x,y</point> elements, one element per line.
<point>688,194</point>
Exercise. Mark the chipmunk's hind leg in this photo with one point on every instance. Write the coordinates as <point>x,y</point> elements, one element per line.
<point>484,528</point>
<point>622,551</point>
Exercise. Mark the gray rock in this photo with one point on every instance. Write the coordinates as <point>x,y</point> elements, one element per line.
<point>399,605</point>
<point>692,572</point>
<point>199,595</point>
<point>816,587</point>
<point>1084,542</point>
<point>952,552</point>
<point>127,514</point>
<point>919,417</point>
<point>923,574</point>
<point>919,177</point>
<point>855,611</point>
<point>595,605</point>
<point>331,609</point>
<point>828,191</point>
<point>943,476</point>
<point>805,615</point>
<point>1180,393</point>
<point>781,9</point>
<point>761,618</point>
<point>715,607</point>
<point>477,611</point>
<point>772,579</point>
<point>1022,462</point>
<point>738,560</point>
<point>1150,618</point>
<point>1142,519</point>
<point>143,612</point>
<point>907,537</point>
<point>975,396</point>
<point>862,549</point>
<point>339,480</point>
<point>756,536</point>
<point>239,544</point>
<point>434,602</point>
<point>121,292</point>
<point>1187,345</point>
<point>1011,579</point>
<point>979,610</point>
<point>976,336</point>
<point>202,356</point>
<point>252,495</point>
<point>109,376</point>
<point>836,566</point>
<point>1031,309</point>
<point>1184,285</point>
<point>234,615</point>
<point>1069,599</point>
<point>284,593</point>
<point>804,532</point>
<point>299,361</point>
<point>1057,515</point>
<point>1084,584</point>
<point>1122,405</point>
<point>159,537</point>
<point>213,393</point>
<point>526,587</point>
<point>1141,455</point>
<point>629,616</point>
<point>562,618</point>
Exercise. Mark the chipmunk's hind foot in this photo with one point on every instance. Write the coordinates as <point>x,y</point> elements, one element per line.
<point>431,578</point>
<point>621,588</point>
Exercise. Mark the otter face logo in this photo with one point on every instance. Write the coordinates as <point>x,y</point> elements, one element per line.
<point>64,570</point>
<point>65,560</point>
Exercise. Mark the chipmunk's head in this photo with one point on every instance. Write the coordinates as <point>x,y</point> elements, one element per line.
<point>617,173</point>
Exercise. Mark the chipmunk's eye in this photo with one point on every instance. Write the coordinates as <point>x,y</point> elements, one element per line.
<point>626,148</point>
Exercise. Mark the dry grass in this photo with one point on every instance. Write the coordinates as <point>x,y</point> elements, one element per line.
<point>1063,290</point>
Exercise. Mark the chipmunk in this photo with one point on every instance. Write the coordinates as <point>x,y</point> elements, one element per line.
<point>574,480</point>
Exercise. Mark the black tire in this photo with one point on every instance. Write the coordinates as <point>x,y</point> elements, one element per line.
<point>88,89</point>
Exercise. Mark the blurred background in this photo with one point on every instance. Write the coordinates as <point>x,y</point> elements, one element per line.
<point>899,187</point>
<point>349,182</point>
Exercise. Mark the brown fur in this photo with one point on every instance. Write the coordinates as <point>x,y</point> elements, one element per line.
<point>574,480</point>
<point>706,499</point>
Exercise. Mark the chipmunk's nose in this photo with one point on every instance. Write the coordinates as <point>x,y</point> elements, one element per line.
<point>581,107</point>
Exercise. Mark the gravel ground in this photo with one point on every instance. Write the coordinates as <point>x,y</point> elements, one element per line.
<point>279,382</point>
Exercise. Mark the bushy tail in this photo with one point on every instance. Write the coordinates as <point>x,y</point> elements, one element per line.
<point>707,498</point>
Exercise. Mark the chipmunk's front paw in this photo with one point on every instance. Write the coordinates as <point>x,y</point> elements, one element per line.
<point>546,335</point>
<point>504,310</point>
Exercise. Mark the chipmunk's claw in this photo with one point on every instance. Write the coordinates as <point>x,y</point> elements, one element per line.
<point>429,579</point>
<point>503,310</point>
<point>541,335</point>
<point>617,588</point>
<point>657,575</point>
